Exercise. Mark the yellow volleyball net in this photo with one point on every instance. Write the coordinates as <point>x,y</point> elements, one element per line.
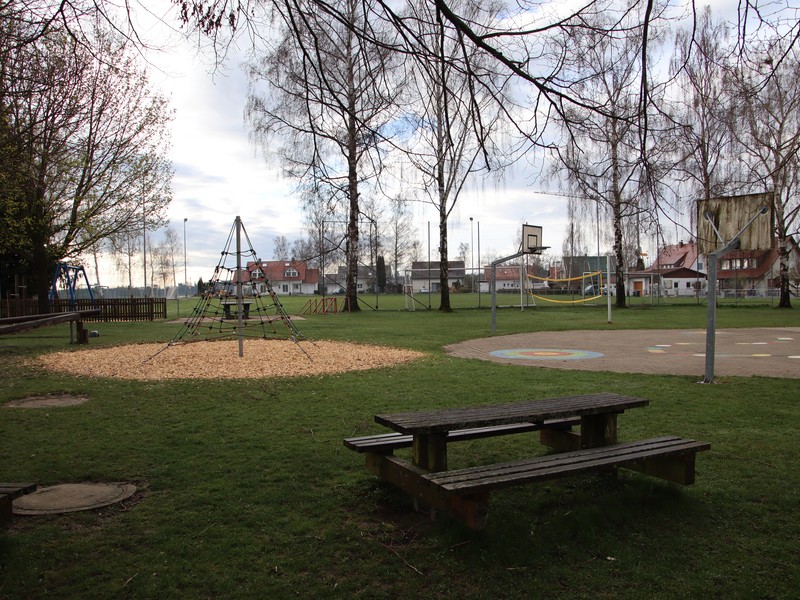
<point>584,299</point>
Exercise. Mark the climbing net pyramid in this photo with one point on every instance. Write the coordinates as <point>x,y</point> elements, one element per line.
<point>238,302</point>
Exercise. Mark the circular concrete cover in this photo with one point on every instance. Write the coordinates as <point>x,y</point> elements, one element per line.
<point>47,401</point>
<point>72,497</point>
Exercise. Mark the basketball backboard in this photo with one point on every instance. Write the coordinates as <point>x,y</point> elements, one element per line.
<point>532,239</point>
<point>729,214</point>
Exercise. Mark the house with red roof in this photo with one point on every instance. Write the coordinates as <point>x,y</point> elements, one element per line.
<point>683,271</point>
<point>507,278</point>
<point>676,271</point>
<point>285,276</point>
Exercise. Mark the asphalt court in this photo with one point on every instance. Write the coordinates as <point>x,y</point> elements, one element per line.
<point>763,351</point>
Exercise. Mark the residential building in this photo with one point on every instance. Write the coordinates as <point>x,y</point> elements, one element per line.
<point>680,255</point>
<point>424,274</point>
<point>285,276</point>
<point>365,280</point>
<point>507,278</point>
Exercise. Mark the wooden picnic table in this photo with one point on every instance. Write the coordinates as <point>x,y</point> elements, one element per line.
<point>464,493</point>
<point>9,492</point>
<point>226,308</point>
<point>598,413</point>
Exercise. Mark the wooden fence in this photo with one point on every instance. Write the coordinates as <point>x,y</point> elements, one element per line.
<point>325,306</point>
<point>113,309</point>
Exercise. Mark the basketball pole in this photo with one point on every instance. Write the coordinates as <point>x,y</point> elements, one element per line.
<point>711,318</point>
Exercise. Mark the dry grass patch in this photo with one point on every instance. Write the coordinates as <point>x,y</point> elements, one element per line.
<point>220,360</point>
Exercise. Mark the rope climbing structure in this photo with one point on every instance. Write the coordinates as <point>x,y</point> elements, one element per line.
<point>238,302</point>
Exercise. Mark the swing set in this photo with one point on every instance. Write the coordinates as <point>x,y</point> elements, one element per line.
<point>70,274</point>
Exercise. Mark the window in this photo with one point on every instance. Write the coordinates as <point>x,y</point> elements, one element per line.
<point>285,287</point>
<point>688,284</point>
<point>361,286</point>
<point>290,272</point>
<point>738,263</point>
<point>676,285</point>
<point>296,286</point>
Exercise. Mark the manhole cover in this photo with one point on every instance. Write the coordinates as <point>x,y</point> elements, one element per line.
<point>72,497</point>
<point>47,401</point>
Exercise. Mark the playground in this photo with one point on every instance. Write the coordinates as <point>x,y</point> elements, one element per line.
<point>219,360</point>
<point>205,458</point>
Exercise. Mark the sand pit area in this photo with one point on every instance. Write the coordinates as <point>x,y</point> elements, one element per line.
<point>220,360</point>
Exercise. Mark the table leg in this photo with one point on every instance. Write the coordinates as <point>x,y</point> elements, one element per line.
<point>598,430</point>
<point>430,451</point>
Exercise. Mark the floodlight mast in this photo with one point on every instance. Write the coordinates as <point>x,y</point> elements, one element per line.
<point>713,260</point>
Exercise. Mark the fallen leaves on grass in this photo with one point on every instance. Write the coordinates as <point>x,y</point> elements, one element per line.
<point>220,360</point>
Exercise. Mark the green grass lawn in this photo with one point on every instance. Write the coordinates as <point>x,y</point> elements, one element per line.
<point>246,491</point>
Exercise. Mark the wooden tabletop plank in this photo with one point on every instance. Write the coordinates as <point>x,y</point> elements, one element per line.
<point>449,419</point>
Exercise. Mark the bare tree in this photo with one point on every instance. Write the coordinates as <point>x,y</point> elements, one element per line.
<point>331,101</point>
<point>124,247</point>
<point>463,252</point>
<point>602,158</point>
<point>162,265</point>
<point>280,250</point>
<point>172,249</point>
<point>515,42</point>
<point>702,121</point>
<point>302,249</point>
<point>452,122</point>
<point>325,239</point>
<point>768,103</point>
<point>415,253</point>
<point>400,235</point>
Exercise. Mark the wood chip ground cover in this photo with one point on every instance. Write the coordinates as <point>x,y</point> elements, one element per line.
<point>220,360</point>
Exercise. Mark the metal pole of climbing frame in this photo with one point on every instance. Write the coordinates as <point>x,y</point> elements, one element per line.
<point>608,284</point>
<point>239,283</point>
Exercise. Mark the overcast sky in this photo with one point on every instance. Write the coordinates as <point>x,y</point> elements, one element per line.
<point>219,175</point>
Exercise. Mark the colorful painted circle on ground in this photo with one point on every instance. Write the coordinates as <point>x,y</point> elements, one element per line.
<point>545,354</point>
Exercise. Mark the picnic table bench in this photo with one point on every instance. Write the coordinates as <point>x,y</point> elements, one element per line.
<point>226,308</point>
<point>8,493</point>
<point>464,493</point>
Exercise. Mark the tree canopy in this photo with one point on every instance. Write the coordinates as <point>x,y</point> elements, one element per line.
<point>83,145</point>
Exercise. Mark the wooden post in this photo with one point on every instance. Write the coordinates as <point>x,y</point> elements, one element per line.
<point>430,451</point>
<point>598,430</point>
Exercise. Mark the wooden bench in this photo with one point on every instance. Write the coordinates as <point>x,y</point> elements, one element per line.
<point>642,456</point>
<point>464,493</point>
<point>8,492</point>
<point>386,443</point>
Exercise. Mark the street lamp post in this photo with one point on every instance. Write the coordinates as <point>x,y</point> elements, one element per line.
<point>185,277</point>
<point>472,250</point>
<point>479,264</point>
